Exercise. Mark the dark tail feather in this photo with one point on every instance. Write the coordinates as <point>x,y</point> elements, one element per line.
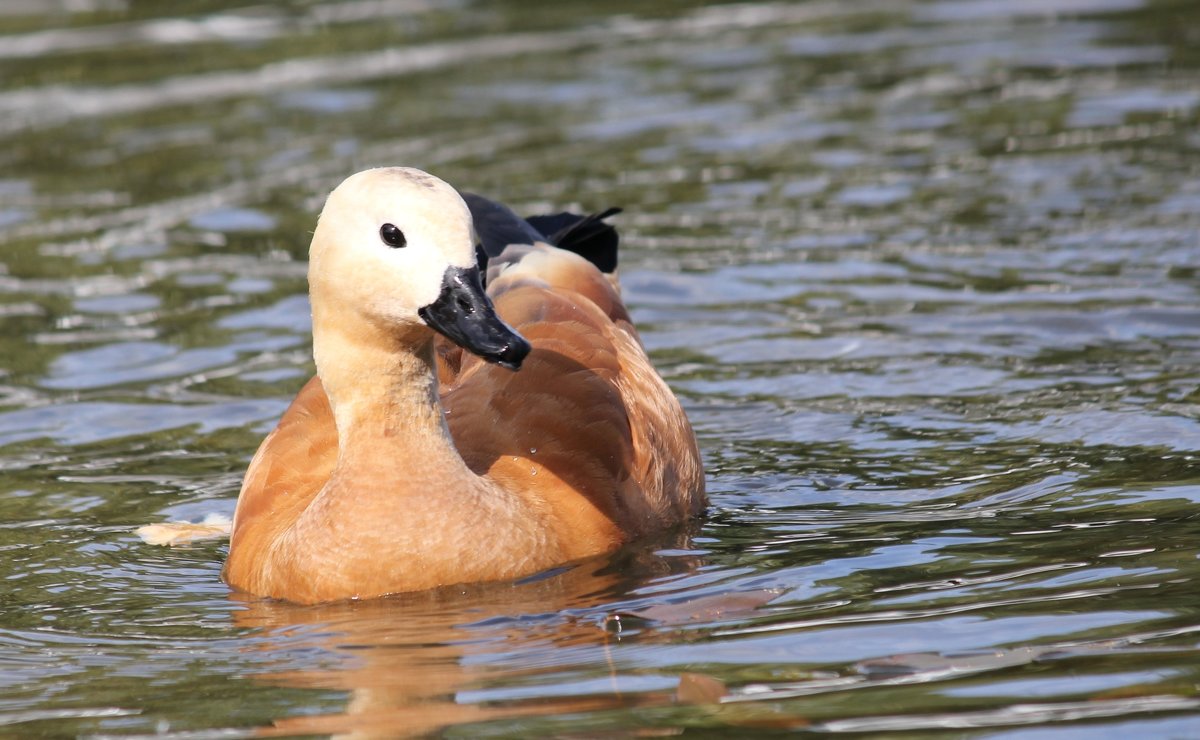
<point>587,236</point>
<point>497,227</point>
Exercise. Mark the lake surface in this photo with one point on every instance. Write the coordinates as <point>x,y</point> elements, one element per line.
<point>923,273</point>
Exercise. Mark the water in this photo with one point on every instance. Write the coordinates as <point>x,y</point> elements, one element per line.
<point>924,274</point>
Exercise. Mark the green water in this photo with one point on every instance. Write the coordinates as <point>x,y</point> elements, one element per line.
<point>923,273</point>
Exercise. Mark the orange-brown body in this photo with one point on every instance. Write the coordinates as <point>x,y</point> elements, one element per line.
<point>438,468</point>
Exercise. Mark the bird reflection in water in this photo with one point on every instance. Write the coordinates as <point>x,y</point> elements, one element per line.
<point>410,662</point>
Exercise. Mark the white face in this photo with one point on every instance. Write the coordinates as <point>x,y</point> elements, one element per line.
<point>352,265</point>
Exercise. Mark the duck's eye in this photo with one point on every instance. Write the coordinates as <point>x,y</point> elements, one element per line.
<point>392,236</point>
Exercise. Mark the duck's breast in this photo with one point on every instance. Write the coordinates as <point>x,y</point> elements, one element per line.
<point>289,469</point>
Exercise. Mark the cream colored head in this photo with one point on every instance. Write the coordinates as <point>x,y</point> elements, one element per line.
<point>393,258</point>
<point>353,268</point>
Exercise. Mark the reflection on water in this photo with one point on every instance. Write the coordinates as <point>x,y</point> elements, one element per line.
<point>923,272</point>
<point>486,653</point>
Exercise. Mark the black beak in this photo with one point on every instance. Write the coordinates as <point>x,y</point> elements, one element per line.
<point>465,314</point>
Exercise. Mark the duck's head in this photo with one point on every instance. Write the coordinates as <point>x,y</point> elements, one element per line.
<point>396,247</point>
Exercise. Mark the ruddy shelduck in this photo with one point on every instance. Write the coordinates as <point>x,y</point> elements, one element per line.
<point>453,435</point>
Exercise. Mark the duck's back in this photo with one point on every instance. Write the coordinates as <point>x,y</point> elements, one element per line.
<point>587,427</point>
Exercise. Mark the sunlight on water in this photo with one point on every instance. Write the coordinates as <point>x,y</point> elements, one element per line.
<point>923,272</point>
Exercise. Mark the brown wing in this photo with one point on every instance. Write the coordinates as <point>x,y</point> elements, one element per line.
<point>586,426</point>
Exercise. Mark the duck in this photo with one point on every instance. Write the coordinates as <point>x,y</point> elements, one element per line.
<point>454,433</point>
